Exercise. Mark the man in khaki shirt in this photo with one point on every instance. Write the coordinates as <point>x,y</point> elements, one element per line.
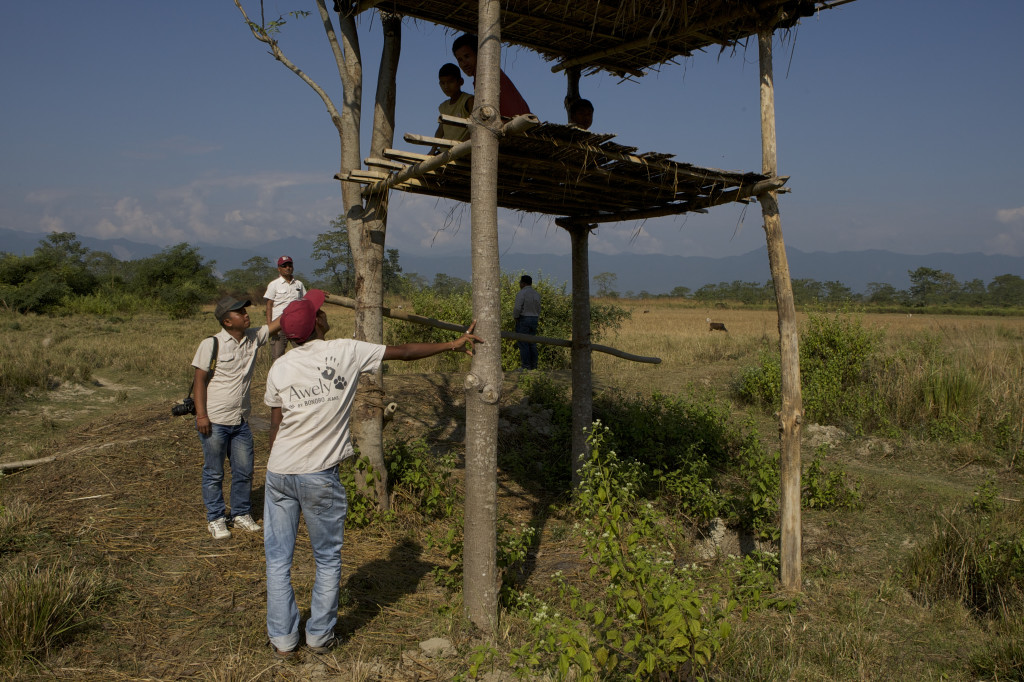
<point>222,413</point>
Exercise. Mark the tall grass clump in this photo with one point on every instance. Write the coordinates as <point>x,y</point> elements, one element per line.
<point>25,368</point>
<point>15,524</point>
<point>965,384</point>
<point>976,558</point>
<point>41,606</point>
<point>43,352</point>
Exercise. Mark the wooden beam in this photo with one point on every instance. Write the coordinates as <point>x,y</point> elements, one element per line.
<point>426,163</point>
<point>582,374</point>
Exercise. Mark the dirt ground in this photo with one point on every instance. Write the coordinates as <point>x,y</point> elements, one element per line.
<point>123,498</point>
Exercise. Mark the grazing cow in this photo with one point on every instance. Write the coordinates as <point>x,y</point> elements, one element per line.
<point>716,326</point>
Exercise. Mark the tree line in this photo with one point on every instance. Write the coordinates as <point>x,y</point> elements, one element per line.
<point>928,287</point>
<point>61,274</point>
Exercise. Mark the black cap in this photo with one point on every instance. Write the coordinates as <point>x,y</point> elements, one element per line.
<point>226,305</point>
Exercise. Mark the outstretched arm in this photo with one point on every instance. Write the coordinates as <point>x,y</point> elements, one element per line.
<point>418,351</point>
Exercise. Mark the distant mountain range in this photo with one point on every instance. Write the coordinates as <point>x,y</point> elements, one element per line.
<point>651,273</point>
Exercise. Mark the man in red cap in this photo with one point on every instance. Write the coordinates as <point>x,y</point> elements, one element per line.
<point>280,293</point>
<point>310,392</point>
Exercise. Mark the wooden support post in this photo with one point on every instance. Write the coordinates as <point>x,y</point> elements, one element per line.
<point>483,383</point>
<point>582,381</point>
<point>572,89</point>
<point>791,415</point>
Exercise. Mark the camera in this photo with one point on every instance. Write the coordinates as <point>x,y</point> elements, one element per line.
<point>187,406</point>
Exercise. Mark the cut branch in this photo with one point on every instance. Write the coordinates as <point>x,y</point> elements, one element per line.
<point>514,336</point>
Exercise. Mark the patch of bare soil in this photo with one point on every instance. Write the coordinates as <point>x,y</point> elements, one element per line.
<point>123,498</point>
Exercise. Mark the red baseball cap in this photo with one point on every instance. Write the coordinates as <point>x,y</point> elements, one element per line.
<point>284,260</point>
<point>299,319</point>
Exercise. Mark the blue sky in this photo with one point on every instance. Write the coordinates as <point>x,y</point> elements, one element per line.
<point>900,122</point>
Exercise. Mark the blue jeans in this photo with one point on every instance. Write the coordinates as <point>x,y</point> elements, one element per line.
<point>234,443</point>
<point>321,499</point>
<point>527,351</point>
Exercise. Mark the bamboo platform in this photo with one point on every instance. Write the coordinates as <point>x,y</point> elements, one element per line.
<point>561,170</point>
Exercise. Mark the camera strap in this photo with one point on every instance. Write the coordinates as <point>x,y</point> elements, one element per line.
<point>209,373</point>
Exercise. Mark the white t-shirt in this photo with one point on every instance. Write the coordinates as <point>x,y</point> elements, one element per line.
<point>282,292</point>
<point>315,387</point>
<point>227,395</point>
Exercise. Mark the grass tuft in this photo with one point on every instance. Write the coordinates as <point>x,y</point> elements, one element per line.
<point>40,606</point>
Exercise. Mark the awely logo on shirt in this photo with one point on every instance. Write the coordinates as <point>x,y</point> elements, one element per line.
<point>318,392</point>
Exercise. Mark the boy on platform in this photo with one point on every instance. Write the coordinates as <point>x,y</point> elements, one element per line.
<point>458,104</point>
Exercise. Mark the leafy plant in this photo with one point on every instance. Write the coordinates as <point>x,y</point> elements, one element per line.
<point>648,621</point>
<point>825,489</point>
<point>760,471</point>
<point>415,475</point>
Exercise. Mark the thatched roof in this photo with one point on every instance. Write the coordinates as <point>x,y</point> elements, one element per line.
<point>564,171</point>
<point>624,37</point>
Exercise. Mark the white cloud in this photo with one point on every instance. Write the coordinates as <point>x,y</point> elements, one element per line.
<point>131,220</point>
<point>1010,215</point>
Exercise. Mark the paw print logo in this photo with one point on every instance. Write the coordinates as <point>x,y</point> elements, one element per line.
<point>340,383</point>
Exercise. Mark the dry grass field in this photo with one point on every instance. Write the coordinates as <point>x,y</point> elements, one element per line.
<point>118,513</point>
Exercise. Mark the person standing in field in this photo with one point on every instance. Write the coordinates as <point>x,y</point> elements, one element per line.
<point>279,294</point>
<point>310,392</point>
<point>221,389</point>
<point>526,313</point>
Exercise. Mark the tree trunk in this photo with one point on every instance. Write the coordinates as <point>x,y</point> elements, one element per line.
<point>368,257</point>
<point>483,384</point>
<point>791,415</point>
<point>582,381</point>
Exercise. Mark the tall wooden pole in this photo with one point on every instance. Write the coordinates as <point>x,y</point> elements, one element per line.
<point>483,384</point>
<point>791,415</point>
<point>582,382</point>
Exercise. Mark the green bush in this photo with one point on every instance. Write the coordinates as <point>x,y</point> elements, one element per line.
<point>422,479</point>
<point>690,453</point>
<point>837,355</point>
<point>648,620</point>
<point>105,302</point>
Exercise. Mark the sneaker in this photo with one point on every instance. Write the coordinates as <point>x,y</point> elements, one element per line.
<point>246,523</point>
<point>219,529</point>
<point>326,647</point>
<point>292,655</point>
